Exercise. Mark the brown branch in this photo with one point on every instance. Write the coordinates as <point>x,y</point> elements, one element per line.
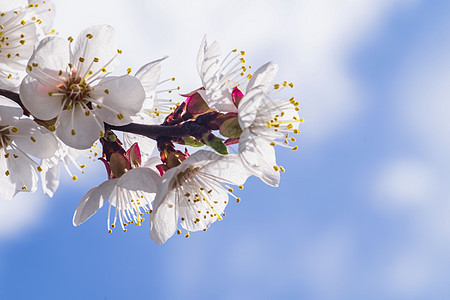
<point>189,128</point>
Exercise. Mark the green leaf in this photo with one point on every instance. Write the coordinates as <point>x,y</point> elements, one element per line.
<point>216,143</point>
<point>190,141</point>
<point>230,128</point>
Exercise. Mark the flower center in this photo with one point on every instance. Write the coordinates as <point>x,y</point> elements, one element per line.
<point>76,89</point>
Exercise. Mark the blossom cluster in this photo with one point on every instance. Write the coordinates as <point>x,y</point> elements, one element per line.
<point>69,104</point>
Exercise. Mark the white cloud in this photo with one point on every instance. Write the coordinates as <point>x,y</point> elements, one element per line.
<point>21,213</point>
<point>404,183</point>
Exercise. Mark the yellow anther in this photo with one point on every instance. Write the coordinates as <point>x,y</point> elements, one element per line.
<point>296,131</point>
<point>291,84</point>
<point>51,93</point>
<point>33,139</point>
<point>186,235</point>
<point>119,116</point>
<point>75,178</point>
<point>102,133</point>
<point>7,172</point>
<point>14,129</point>
<point>242,52</point>
<point>23,22</point>
<point>106,91</point>
<point>96,59</point>
<point>295,148</point>
<point>129,70</point>
<point>89,36</point>
<point>276,168</point>
<point>70,39</point>
<point>276,86</point>
<point>109,230</point>
<point>39,168</point>
<point>238,200</point>
<point>282,169</point>
<point>104,70</point>
<point>240,186</point>
<point>30,68</point>
<point>87,113</point>
<point>52,128</point>
<point>73,132</point>
<point>81,59</point>
<point>272,143</point>
<point>249,76</point>
<point>119,51</point>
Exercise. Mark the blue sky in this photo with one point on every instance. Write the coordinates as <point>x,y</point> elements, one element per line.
<point>362,211</point>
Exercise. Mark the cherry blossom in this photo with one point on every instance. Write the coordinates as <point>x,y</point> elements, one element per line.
<point>22,25</point>
<point>71,86</point>
<point>20,139</point>
<point>196,192</point>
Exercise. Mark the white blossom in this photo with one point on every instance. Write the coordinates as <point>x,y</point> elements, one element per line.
<point>72,85</point>
<point>157,105</point>
<point>131,196</point>
<point>196,191</point>
<point>220,77</point>
<point>22,25</point>
<point>265,123</point>
<point>19,140</point>
<point>66,156</point>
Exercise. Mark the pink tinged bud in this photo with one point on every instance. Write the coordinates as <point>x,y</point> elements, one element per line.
<point>175,158</point>
<point>119,164</point>
<point>108,169</point>
<point>162,169</point>
<point>237,96</point>
<point>196,105</point>
<point>231,142</point>
<point>134,155</point>
<point>230,128</point>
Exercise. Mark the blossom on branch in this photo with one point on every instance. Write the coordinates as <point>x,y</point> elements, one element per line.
<point>196,192</point>
<point>22,25</point>
<point>19,140</point>
<point>70,86</point>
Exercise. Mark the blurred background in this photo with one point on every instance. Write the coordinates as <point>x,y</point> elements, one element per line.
<point>363,211</point>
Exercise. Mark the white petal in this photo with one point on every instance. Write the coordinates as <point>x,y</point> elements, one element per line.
<point>163,221</point>
<point>9,111</point>
<point>8,188</point>
<point>87,128</point>
<point>120,98</point>
<point>146,145</point>
<point>46,13</point>
<point>149,75</point>
<point>102,45</point>
<point>229,169</point>
<point>140,179</point>
<point>50,179</point>
<point>11,5</point>
<point>93,201</point>
<point>219,99</point>
<point>33,140</point>
<point>214,205</point>
<point>52,56</point>
<point>35,97</point>
<point>22,171</point>
<point>259,157</point>
<point>263,77</point>
<point>248,107</point>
